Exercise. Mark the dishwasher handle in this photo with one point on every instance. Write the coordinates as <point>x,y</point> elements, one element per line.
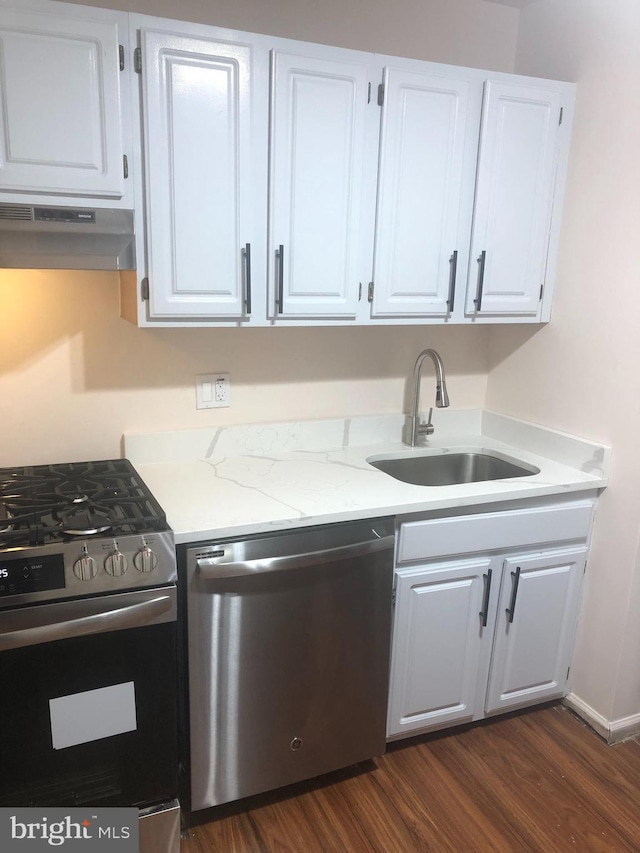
<point>210,568</point>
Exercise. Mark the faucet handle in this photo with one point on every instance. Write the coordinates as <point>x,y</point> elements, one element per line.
<point>428,428</point>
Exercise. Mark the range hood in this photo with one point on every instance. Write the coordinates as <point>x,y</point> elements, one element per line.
<point>69,238</point>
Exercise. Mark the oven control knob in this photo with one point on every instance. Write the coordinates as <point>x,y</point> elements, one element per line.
<point>86,568</point>
<point>145,560</point>
<point>116,564</point>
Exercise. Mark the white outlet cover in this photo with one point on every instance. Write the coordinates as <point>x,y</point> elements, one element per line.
<point>213,391</point>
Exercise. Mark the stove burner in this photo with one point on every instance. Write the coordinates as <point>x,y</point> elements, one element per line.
<point>53,503</point>
<point>85,522</point>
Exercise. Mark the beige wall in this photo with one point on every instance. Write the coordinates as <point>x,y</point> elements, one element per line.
<point>581,372</point>
<point>74,377</point>
<point>461,32</point>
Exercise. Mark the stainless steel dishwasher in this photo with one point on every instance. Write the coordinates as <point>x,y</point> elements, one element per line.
<point>288,643</point>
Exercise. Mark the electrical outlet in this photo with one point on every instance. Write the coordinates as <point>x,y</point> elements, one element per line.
<point>213,391</point>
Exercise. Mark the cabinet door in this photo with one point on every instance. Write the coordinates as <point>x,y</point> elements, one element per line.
<point>317,149</point>
<point>60,122</point>
<point>441,648</point>
<point>197,160</point>
<point>514,198</point>
<point>535,628</point>
<point>421,166</point>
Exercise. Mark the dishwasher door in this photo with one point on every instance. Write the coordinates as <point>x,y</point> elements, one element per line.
<point>289,638</point>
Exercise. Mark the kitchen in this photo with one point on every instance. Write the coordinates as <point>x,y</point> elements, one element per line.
<point>67,353</point>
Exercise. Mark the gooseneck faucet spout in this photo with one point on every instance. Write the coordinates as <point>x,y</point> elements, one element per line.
<point>414,428</point>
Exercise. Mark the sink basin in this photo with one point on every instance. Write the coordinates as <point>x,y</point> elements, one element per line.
<point>449,469</point>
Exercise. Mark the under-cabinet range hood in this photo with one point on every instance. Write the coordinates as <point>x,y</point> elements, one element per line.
<point>74,238</point>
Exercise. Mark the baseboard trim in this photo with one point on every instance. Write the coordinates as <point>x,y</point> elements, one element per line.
<point>613,731</point>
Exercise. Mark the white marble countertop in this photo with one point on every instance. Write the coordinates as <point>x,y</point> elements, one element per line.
<point>237,481</point>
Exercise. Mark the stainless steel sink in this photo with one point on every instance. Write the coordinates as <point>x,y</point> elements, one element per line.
<point>449,469</point>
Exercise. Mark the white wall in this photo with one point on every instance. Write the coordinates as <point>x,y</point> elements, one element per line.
<point>581,372</point>
<point>74,377</point>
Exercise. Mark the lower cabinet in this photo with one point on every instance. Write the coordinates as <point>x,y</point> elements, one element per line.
<point>476,635</point>
<point>535,626</point>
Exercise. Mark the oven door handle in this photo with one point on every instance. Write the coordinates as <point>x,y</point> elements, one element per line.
<point>116,619</point>
<point>210,569</point>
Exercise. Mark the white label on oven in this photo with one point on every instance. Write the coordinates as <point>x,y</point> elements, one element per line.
<point>92,715</point>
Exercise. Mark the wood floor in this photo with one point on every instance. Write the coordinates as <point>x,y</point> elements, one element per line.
<point>535,781</point>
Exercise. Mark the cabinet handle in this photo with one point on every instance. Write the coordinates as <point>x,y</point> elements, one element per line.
<point>478,300</point>
<point>246,257</point>
<point>280,259</point>
<point>453,269</point>
<point>484,613</point>
<point>515,577</point>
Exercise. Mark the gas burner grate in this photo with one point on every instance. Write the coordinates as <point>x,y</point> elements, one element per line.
<point>57,503</point>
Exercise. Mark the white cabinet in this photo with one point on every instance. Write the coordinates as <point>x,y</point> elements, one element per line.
<point>537,613</point>
<point>278,192</point>
<point>518,160</point>
<point>317,129</point>
<point>481,633</point>
<point>440,607</point>
<point>61,111</point>
<point>467,160</point>
<point>198,150</point>
<point>428,132</point>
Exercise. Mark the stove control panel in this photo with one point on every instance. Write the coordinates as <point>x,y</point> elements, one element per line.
<point>27,574</point>
<point>86,567</point>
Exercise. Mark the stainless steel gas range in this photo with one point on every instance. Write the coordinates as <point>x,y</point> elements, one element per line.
<point>88,644</point>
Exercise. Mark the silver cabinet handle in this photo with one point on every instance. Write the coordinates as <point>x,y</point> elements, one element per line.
<point>453,269</point>
<point>484,613</point>
<point>280,296</point>
<point>481,262</point>
<point>246,256</point>
<point>511,609</point>
<point>209,568</point>
<point>130,616</point>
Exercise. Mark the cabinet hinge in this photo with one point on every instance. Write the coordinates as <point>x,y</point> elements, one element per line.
<point>381,94</point>
<point>369,94</point>
<point>137,60</point>
<point>584,571</point>
<point>359,291</point>
<point>561,115</point>
<point>393,597</point>
<point>370,293</point>
<point>568,671</point>
<point>541,292</point>
<point>125,166</point>
<point>121,56</point>
<point>144,289</point>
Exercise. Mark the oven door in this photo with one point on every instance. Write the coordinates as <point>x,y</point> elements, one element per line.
<point>88,701</point>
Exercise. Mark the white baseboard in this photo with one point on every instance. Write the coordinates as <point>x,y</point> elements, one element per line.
<point>613,731</point>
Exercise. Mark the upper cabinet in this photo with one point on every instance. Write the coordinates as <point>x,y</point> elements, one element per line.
<point>317,135</point>
<point>198,147</point>
<point>62,117</point>
<point>517,165</point>
<point>470,181</point>
<point>278,182</point>
<point>428,143</point>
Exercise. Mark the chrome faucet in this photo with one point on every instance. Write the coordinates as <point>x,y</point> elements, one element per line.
<point>414,429</point>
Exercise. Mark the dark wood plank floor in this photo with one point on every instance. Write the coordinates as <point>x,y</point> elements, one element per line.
<point>535,781</point>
